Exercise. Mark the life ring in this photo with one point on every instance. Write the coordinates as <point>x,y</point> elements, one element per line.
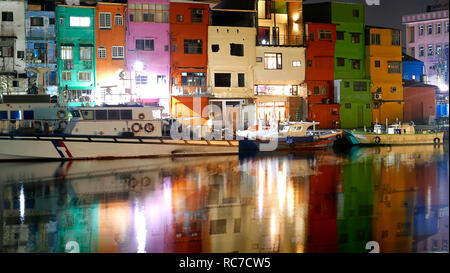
<point>141,116</point>
<point>149,128</point>
<point>136,127</point>
<point>60,125</point>
<point>377,140</point>
<point>436,140</point>
<point>61,114</point>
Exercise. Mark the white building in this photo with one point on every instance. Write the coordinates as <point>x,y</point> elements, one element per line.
<point>13,79</point>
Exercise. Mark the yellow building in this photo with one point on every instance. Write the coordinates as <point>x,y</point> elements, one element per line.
<point>384,65</point>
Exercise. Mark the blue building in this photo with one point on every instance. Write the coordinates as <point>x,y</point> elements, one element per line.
<point>412,68</point>
<point>41,47</point>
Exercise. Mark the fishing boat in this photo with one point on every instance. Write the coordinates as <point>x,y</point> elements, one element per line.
<point>396,134</point>
<point>291,136</point>
<point>109,132</point>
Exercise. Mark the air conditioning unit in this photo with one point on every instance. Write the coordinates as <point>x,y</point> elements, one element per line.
<point>376,96</point>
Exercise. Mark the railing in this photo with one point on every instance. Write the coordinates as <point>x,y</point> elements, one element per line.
<point>282,40</point>
<point>190,90</point>
<point>32,126</point>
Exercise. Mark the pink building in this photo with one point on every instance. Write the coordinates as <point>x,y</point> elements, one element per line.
<point>148,51</point>
<point>427,40</point>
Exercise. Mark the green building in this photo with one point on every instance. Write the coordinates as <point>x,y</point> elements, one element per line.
<point>352,85</point>
<point>76,55</point>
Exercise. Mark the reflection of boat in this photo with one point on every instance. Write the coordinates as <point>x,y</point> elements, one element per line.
<point>291,136</point>
<point>397,134</point>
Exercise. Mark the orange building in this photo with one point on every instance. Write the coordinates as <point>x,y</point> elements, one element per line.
<point>110,53</point>
<point>384,65</point>
<point>189,57</point>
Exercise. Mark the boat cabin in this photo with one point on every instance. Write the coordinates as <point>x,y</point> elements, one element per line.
<point>296,129</point>
<point>400,129</point>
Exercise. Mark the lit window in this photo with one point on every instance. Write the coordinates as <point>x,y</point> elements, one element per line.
<point>101,52</point>
<point>273,61</point>
<point>105,20</point>
<point>394,67</point>
<point>395,36</point>
<point>66,53</point>
<point>325,35</point>
<point>80,21</point>
<point>161,79</point>
<point>438,49</point>
<point>117,52</point>
<point>296,63</point>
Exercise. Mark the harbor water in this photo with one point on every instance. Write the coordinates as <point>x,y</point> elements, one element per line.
<point>393,198</point>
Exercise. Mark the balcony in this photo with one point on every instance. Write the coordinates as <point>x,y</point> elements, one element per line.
<point>281,40</point>
<point>191,91</point>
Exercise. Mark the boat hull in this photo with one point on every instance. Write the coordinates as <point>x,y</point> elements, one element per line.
<point>68,148</point>
<point>394,139</point>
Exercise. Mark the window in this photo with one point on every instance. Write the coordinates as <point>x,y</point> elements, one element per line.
<point>421,30</point>
<point>141,79</point>
<point>379,90</point>
<point>36,21</point>
<point>438,49</point>
<point>355,38</point>
<point>80,21</point>
<point>15,115</point>
<point>118,52</point>
<point>87,114</point>
<point>215,48</point>
<point>193,79</point>
<point>15,83</point>
<point>310,62</point>
<point>237,225</point>
<point>66,53</point>
<point>126,114</point>
<point>348,106</point>
<point>153,13</point>
<point>222,79</point>
<point>218,226</point>
<point>51,21</point>
<point>430,29</point>
<point>20,54</point>
<point>412,35</point>
<point>105,20</point>
<point>347,84</point>
<point>273,61</point>
<point>368,106</point>
<point>375,39</point>
<point>356,13</point>
<point>394,67</point>
<point>393,89</point>
<point>193,46</point>
<point>421,51</point>
<point>241,80</point>
<point>377,64</point>
<point>438,28</point>
<point>180,18</point>
<point>320,90</point>
<point>7,16</point>
<point>161,79</point>
<point>446,27</point>
<point>174,48</point>
<point>85,53</point>
<point>340,61</point>
<point>340,35</point>
<point>101,114</point>
<point>356,64</point>
<point>147,44</point>
<point>66,75</point>
<point>84,76</point>
<point>236,49</point>
<point>101,52</point>
<point>296,63</point>
<point>395,37</point>
<point>430,50</point>
<point>118,19</point>
<point>359,86</point>
<point>197,15</point>
<point>325,35</point>
<point>61,21</point>
<point>113,114</point>
<point>3,115</point>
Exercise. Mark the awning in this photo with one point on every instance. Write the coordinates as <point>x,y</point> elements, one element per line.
<point>67,44</point>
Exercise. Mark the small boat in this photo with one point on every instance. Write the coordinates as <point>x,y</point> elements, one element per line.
<point>292,136</point>
<point>397,134</point>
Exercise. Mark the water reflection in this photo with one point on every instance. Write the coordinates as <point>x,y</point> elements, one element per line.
<point>315,202</point>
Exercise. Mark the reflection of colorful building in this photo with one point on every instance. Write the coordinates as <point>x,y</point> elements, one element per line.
<point>384,66</point>
<point>320,74</point>
<point>110,53</point>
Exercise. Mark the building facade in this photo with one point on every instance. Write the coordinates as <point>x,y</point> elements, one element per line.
<point>41,48</point>
<point>412,69</point>
<point>189,22</point>
<point>76,54</point>
<point>320,42</point>
<point>420,102</point>
<point>427,40</point>
<point>13,77</point>
<point>384,66</point>
<point>352,86</point>
<point>148,51</point>
<point>110,58</point>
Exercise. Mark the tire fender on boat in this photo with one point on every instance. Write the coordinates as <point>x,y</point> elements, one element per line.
<point>136,127</point>
<point>436,140</point>
<point>149,128</point>
<point>377,140</point>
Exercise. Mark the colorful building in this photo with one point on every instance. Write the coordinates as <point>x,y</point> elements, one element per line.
<point>412,69</point>
<point>189,22</point>
<point>41,48</point>
<point>76,53</point>
<point>13,77</point>
<point>279,71</point>
<point>320,42</point>
<point>384,66</point>
<point>420,102</point>
<point>110,57</point>
<point>427,40</point>
<point>352,86</point>
<point>148,51</point>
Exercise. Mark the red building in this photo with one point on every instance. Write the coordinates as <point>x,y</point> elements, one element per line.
<point>420,102</point>
<point>321,39</point>
<point>189,57</point>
